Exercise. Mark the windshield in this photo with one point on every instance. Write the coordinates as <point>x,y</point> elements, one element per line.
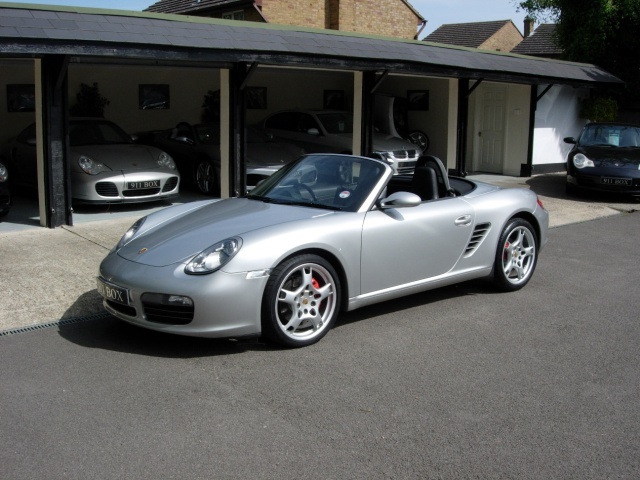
<point>335,182</point>
<point>90,132</point>
<point>610,135</point>
<point>336,122</point>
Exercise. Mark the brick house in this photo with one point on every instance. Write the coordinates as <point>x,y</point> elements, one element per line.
<point>499,35</point>
<point>391,18</point>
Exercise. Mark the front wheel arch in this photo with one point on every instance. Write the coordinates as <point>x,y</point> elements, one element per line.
<point>301,301</point>
<point>335,263</point>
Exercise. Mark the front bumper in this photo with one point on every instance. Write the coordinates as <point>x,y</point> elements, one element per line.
<point>224,305</point>
<point>114,187</point>
<point>618,181</point>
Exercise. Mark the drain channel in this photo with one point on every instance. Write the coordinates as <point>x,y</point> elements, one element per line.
<point>57,323</point>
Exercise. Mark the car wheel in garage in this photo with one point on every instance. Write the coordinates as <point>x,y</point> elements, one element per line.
<point>516,255</point>
<point>206,178</point>
<point>301,301</point>
<point>419,139</point>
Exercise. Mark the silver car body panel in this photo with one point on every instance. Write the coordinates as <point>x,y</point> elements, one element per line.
<point>380,254</point>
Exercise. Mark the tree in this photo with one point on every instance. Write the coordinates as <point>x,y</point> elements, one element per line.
<point>602,32</point>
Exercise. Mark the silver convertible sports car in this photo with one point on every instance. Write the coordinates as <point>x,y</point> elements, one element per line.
<point>324,234</point>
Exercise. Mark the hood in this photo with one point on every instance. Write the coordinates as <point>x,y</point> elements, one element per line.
<point>187,234</point>
<point>384,142</point>
<point>615,157</point>
<point>129,157</point>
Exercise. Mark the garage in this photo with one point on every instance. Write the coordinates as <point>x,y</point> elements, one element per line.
<point>157,71</point>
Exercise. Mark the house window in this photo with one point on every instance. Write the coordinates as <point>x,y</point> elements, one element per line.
<point>239,15</point>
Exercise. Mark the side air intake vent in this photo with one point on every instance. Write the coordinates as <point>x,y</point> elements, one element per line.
<point>479,234</point>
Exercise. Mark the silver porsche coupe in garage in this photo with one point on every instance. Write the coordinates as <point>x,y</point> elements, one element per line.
<point>324,234</point>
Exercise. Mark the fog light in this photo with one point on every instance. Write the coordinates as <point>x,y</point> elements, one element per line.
<point>178,300</point>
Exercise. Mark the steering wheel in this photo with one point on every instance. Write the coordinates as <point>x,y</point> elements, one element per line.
<point>306,187</point>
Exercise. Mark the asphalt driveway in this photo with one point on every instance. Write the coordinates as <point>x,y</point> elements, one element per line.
<point>457,383</point>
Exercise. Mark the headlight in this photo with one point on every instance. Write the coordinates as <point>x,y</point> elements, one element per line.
<point>213,257</point>
<point>581,161</point>
<point>164,160</point>
<point>91,167</point>
<point>4,174</point>
<point>129,234</point>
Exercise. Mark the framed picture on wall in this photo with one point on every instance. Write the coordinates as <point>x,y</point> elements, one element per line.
<point>418,100</point>
<point>333,100</point>
<point>21,97</point>
<point>153,97</point>
<point>256,98</point>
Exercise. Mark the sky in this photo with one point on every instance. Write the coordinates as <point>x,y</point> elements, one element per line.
<point>437,12</point>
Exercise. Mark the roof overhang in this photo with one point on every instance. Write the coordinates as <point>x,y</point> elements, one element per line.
<point>28,30</point>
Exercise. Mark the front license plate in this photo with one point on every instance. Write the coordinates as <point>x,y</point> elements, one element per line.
<point>615,181</point>
<point>113,292</point>
<point>143,185</point>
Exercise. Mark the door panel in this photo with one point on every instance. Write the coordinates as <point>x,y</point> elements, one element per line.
<point>406,245</point>
<point>492,130</point>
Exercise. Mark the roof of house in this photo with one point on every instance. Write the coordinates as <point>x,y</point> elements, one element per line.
<point>541,43</point>
<point>196,6</point>
<point>470,35</point>
<point>88,34</point>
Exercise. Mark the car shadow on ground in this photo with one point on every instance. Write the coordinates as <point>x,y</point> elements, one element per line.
<point>109,333</point>
<point>554,185</point>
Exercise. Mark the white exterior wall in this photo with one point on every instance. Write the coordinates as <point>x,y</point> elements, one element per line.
<point>557,117</point>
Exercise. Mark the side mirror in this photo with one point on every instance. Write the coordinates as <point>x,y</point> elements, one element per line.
<point>400,200</point>
<point>314,131</point>
<point>570,140</point>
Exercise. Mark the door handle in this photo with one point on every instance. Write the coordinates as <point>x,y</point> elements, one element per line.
<point>463,221</point>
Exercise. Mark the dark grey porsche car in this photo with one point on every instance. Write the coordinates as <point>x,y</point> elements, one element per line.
<point>605,157</point>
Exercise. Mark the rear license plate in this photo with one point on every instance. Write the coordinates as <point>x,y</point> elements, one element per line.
<point>143,185</point>
<point>615,181</point>
<point>112,292</point>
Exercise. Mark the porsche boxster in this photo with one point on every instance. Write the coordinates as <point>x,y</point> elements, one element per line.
<point>324,234</point>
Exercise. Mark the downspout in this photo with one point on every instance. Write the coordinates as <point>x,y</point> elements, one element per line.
<point>423,25</point>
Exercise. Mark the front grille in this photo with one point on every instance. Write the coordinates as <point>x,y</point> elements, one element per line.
<point>124,309</point>
<point>478,235</point>
<point>404,161</point>
<point>156,310</point>
<point>143,192</point>
<point>106,189</point>
<point>170,184</point>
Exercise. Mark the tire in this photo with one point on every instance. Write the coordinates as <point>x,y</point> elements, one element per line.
<point>301,301</point>
<point>206,178</point>
<point>516,255</point>
<point>420,139</point>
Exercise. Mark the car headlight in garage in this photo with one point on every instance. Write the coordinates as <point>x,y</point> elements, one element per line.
<point>581,161</point>
<point>4,174</point>
<point>165,160</point>
<point>214,257</point>
<point>91,167</point>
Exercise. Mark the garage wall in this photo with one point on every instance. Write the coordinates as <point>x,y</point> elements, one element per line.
<point>120,85</point>
<point>14,72</point>
<point>557,116</point>
<point>297,89</point>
